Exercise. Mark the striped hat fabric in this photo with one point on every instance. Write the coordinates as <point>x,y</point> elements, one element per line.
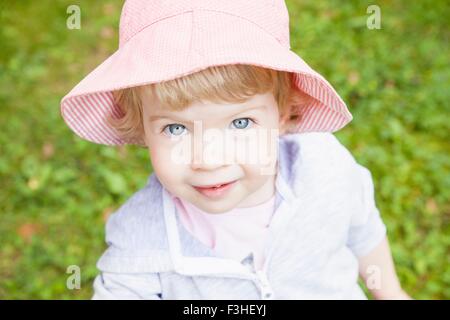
<point>160,40</point>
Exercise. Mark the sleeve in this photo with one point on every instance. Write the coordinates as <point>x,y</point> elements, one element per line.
<point>367,229</point>
<point>123,286</point>
<point>127,271</point>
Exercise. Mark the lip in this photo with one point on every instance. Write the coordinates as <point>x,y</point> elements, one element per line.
<point>215,192</point>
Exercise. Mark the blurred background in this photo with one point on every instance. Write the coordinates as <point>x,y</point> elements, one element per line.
<point>57,190</point>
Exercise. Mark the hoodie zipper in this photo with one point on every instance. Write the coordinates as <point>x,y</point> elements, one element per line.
<point>260,276</point>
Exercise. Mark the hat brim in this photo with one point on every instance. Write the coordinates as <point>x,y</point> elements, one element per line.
<point>155,54</point>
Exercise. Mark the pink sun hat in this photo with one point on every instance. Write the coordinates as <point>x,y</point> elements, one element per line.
<point>164,40</point>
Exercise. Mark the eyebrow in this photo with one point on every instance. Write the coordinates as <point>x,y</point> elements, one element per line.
<point>159,117</point>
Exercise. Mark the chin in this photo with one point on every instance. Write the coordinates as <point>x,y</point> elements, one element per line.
<point>217,207</point>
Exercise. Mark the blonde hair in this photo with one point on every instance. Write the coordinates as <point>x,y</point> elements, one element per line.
<point>227,83</point>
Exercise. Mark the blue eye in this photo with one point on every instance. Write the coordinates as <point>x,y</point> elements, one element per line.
<point>175,129</point>
<point>241,123</point>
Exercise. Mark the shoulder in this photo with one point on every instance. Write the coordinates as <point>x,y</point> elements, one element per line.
<point>316,154</point>
<point>318,165</point>
<point>135,233</point>
<point>323,146</point>
<point>130,224</point>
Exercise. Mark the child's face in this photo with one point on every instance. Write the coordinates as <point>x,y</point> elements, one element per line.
<point>212,143</point>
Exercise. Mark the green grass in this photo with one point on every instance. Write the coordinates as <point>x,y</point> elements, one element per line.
<point>56,190</point>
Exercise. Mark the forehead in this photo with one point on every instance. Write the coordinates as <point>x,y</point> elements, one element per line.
<point>203,110</point>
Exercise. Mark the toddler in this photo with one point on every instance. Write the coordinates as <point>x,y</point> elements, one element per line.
<point>251,195</point>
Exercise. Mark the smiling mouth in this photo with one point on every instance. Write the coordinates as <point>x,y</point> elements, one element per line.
<point>214,185</point>
<point>216,190</point>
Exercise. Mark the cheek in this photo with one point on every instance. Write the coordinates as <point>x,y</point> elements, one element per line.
<point>254,175</point>
<point>167,172</point>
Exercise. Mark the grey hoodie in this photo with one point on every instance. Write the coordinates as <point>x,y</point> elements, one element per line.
<point>325,219</point>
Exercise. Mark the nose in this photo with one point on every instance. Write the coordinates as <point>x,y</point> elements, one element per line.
<point>208,154</point>
<point>205,166</point>
<point>207,160</point>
